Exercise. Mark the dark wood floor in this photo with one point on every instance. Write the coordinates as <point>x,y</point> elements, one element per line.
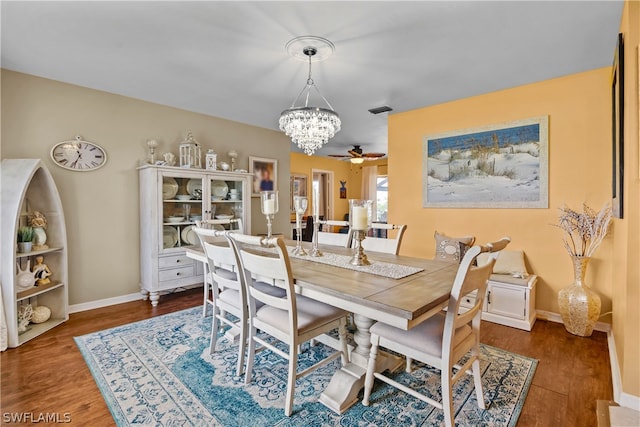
<point>48,373</point>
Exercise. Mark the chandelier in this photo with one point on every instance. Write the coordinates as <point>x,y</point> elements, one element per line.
<point>310,127</point>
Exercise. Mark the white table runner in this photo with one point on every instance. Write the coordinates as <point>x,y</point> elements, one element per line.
<point>385,269</point>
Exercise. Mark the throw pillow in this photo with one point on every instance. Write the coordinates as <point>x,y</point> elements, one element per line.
<point>452,248</point>
<point>508,262</point>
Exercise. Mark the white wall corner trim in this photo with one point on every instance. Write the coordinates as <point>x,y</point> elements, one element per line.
<point>75,308</point>
<point>620,397</point>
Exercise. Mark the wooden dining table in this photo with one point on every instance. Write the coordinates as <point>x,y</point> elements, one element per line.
<point>403,303</point>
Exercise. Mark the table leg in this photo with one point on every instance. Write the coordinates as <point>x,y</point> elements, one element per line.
<point>342,391</point>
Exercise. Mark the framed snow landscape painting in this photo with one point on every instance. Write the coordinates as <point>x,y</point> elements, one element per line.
<point>498,166</point>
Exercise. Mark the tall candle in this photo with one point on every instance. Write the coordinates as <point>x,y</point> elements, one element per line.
<point>269,206</point>
<point>360,218</point>
<point>316,205</point>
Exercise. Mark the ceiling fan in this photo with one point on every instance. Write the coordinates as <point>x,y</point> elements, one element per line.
<point>357,156</point>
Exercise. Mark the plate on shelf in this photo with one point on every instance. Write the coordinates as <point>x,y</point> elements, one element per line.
<point>169,236</point>
<point>175,219</point>
<point>224,216</point>
<point>219,189</point>
<point>189,236</point>
<point>169,188</point>
<point>194,187</point>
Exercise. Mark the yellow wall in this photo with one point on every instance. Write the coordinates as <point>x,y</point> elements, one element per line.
<point>626,273</point>
<point>101,207</point>
<point>343,171</point>
<point>579,170</point>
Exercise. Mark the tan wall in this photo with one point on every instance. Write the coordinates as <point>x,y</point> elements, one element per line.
<point>101,207</point>
<point>626,273</point>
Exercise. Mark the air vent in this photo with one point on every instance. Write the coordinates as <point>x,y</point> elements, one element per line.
<point>379,110</point>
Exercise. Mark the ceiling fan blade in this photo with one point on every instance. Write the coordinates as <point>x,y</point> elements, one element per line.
<point>354,153</point>
<point>373,155</point>
<point>340,156</point>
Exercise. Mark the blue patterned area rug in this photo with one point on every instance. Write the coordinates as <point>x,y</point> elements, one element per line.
<point>158,372</point>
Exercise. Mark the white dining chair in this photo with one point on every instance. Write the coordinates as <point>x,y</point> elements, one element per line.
<point>328,237</point>
<point>382,244</point>
<point>444,339</point>
<point>229,296</point>
<point>221,225</point>
<point>292,319</point>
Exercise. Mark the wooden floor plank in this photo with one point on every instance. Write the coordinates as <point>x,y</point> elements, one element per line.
<point>48,374</point>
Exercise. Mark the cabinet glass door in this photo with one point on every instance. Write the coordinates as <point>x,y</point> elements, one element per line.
<point>227,197</point>
<point>181,207</point>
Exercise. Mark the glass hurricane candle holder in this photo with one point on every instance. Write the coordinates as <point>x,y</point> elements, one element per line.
<point>359,222</point>
<point>269,206</point>
<point>300,204</point>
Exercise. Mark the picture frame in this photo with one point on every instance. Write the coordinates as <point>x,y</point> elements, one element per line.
<point>265,174</point>
<point>298,187</point>
<point>617,130</point>
<point>504,165</point>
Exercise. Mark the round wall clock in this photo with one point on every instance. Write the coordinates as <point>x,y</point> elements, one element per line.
<point>78,155</point>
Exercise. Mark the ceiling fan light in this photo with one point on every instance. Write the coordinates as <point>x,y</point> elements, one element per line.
<point>357,160</point>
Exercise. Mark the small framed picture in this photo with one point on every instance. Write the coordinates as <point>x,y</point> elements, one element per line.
<point>265,174</point>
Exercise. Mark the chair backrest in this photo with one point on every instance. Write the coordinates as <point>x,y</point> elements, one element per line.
<point>335,239</point>
<point>219,224</point>
<point>468,279</point>
<point>268,261</point>
<point>386,245</point>
<point>220,256</point>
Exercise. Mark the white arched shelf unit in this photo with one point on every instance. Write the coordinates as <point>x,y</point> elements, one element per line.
<point>27,186</point>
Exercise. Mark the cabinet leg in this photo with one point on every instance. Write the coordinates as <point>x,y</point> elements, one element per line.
<point>145,294</point>
<point>154,297</point>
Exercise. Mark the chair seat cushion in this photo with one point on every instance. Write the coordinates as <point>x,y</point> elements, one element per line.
<point>232,296</point>
<point>425,338</point>
<point>230,275</point>
<point>311,313</point>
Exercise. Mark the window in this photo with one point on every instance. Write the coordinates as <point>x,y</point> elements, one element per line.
<point>382,197</point>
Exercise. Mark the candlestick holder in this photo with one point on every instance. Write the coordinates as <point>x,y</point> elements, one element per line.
<point>269,207</point>
<point>359,222</point>
<point>314,241</point>
<point>300,204</point>
<point>359,257</point>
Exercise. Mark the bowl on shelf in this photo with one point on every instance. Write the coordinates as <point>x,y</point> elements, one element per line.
<point>183,197</point>
<point>174,219</point>
<point>224,216</point>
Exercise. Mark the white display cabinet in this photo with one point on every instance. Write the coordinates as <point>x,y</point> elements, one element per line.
<point>27,186</point>
<point>171,200</point>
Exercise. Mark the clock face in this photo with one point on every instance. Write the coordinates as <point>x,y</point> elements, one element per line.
<point>78,155</point>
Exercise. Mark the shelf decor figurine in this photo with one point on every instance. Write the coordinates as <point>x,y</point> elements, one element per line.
<point>152,144</point>
<point>583,233</point>
<point>211,160</point>
<point>25,312</point>
<point>300,204</point>
<point>359,222</point>
<point>41,271</point>
<point>25,279</point>
<point>38,222</point>
<point>269,206</point>
<point>25,238</point>
<point>190,156</point>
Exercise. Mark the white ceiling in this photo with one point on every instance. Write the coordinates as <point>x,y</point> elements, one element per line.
<point>228,59</point>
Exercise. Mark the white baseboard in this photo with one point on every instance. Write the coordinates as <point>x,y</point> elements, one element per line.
<point>620,397</point>
<point>75,308</point>
<point>555,317</point>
